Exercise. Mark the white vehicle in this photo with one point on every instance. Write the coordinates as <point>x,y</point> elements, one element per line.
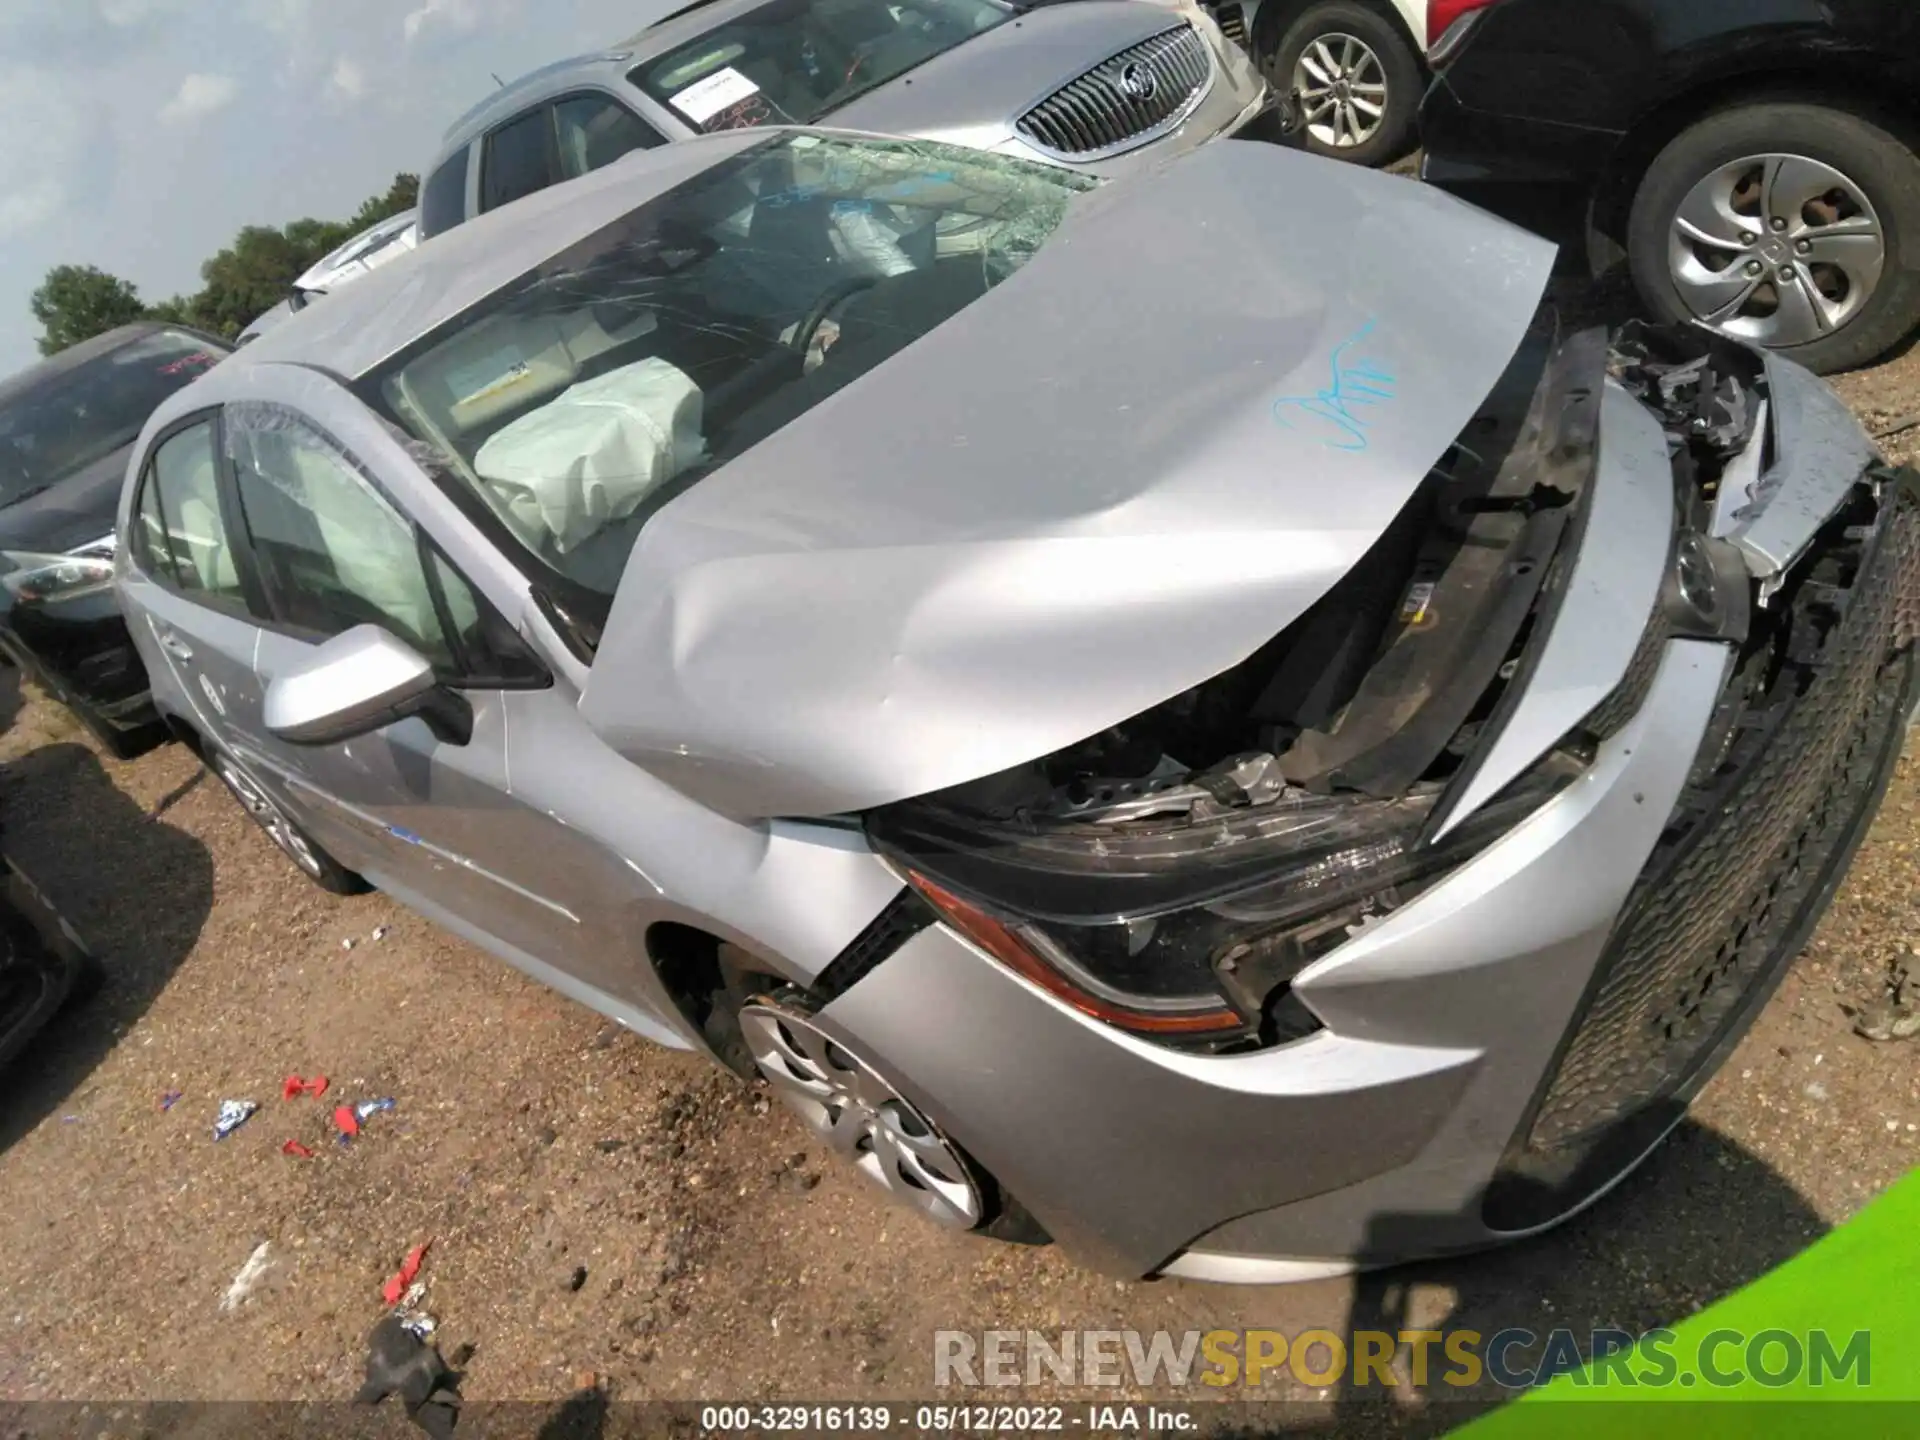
<point>369,250</point>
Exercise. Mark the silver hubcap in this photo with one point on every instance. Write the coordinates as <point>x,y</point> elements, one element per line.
<point>1776,249</point>
<point>1343,89</point>
<point>846,1103</point>
<point>269,816</point>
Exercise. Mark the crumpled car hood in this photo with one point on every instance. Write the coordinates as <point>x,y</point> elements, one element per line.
<point>1113,477</point>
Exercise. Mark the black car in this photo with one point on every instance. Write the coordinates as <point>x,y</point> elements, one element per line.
<point>44,964</point>
<point>1752,160</point>
<point>66,427</point>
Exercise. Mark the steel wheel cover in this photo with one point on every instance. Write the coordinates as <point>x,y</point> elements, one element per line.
<point>861,1116</point>
<point>1776,249</point>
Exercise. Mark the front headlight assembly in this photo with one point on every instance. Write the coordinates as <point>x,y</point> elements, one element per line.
<point>34,577</point>
<point>1187,930</point>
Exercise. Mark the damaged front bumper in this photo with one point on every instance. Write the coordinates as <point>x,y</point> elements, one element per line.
<point>1725,641</point>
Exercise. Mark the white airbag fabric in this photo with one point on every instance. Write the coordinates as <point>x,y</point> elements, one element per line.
<point>591,455</point>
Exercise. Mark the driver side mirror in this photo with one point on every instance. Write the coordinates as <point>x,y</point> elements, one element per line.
<point>356,683</point>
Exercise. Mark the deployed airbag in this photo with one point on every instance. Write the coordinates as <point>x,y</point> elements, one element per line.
<point>589,457</point>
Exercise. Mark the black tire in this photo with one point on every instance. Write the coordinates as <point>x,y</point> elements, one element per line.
<point>1401,65</point>
<point>309,857</point>
<point>30,966</point>
<point>1875,158</point>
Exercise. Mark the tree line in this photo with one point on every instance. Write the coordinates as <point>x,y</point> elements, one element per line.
<point>247,278</point>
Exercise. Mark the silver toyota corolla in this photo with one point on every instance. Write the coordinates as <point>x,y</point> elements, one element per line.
<point>1243,776</point>
<point>1099,85</point>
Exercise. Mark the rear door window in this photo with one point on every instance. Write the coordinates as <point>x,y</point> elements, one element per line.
<point>596,130</point>
<point>518,160</point>
<point>179,531</point>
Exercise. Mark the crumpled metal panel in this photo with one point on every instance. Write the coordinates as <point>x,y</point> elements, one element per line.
<point>1616,574</point>
<point>1821,450</point>
<point>1116,475</point>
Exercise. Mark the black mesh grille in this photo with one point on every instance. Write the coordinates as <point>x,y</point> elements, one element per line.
<point>1742,872</point>
<point>1122,99</point>
<point>1233,23</point>
<point>1610,717</point>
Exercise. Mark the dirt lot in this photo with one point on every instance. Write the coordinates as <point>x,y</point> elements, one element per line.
<point>610,1217</point>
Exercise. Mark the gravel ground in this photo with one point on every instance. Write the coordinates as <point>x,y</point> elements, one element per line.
<point>611,1218</point>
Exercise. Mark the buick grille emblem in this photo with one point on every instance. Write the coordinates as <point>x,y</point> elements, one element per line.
<point>1137,83</point>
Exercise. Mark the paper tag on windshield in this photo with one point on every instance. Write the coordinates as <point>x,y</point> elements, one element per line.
<point>704,99</point>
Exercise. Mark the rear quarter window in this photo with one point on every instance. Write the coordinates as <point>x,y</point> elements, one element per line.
<point>443,199</point>
<point>517,159</point>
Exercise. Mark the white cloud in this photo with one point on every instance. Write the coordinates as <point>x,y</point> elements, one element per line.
<point>281,17</point>
<point>456,15</point>
<point>125,14</point>
<point>200,95</point>
<point>348,80</point>
<point>28,206</point>
<point>35,179</point>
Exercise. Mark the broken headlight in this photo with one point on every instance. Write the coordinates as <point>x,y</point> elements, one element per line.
<point>1179,929</point>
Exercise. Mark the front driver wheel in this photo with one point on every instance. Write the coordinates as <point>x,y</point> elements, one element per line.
<point>1359,80</point>
<point>1791,226</point>
<point>301,848</point>
<point>865,1119</point>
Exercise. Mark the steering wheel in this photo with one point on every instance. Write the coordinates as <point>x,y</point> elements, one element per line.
<point>834,296</point>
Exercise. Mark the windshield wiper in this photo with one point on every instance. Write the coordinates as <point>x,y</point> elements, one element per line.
<point>26,494</point>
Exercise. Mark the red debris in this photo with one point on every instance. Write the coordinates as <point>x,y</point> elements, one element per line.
<point>348,1122</point>
<point>398,1282</point>
<point>294,1087</point>
<point>294,1147</point>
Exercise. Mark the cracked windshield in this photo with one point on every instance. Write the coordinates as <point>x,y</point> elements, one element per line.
<point>575,404</point>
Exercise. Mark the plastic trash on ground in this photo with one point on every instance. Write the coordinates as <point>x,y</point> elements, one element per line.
<point>233,1114</point>
<point>409,1271</point>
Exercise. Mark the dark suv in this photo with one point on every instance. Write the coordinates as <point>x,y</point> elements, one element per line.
<point>66,427</point>
<point>1752,160</point>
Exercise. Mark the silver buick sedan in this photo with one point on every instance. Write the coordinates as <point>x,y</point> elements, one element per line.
<point>1097,85</point>
<point>1244,779</point>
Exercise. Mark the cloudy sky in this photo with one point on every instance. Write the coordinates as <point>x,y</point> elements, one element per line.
<point>144,133</point>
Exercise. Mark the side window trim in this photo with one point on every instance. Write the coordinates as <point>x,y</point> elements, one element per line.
<point>443,612</point>
<point>227,487</point>
<point>476,149</point>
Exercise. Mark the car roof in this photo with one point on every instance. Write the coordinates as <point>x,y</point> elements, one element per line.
<point>381,313</point>
<point>596,67</point>
<point>76,356</point>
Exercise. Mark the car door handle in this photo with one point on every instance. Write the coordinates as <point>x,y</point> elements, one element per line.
<point>176,647</point>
